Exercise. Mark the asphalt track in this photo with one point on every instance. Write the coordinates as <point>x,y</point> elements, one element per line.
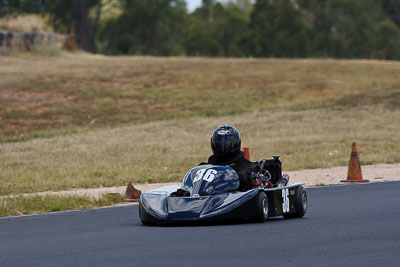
<point>350,225</point>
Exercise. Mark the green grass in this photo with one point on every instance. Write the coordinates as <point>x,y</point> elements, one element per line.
<point>40,204</point>
<point>95,121</point>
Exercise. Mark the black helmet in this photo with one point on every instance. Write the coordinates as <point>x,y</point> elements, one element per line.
<point>225,141</point>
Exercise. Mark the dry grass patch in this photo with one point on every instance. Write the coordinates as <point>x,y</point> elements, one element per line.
<point>44,96</point>
<point>38,204</point>
<point>163,111</point>
<point>164,151</point>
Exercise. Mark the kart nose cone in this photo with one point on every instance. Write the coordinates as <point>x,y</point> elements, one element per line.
<point>187,208</point>
<point>193,208</point>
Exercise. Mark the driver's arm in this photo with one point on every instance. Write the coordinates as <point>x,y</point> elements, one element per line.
<point>245,178</point>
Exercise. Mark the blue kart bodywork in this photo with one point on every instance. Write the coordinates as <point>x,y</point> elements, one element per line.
<point>213,195</point>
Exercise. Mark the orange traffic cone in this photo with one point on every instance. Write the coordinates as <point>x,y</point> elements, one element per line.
<point>132,194</point>
<point>246,153</point>
<point>354,174</point>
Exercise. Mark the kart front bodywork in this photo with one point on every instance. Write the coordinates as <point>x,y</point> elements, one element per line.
<point>159,206</point>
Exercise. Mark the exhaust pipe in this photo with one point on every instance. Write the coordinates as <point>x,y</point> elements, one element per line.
<point>283,181</point>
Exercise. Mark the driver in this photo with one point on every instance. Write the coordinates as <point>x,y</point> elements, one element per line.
<point>225,145</point>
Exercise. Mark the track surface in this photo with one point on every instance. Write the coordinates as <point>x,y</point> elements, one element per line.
<point>351,225</point>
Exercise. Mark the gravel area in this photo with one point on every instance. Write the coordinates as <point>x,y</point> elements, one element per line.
<point>331,176</point>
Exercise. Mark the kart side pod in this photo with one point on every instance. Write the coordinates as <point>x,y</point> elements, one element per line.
<point>288,201</point>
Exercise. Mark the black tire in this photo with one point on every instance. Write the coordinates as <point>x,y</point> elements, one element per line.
<point>146,218</point>
<point>261,208</point>
<point>300,204</point>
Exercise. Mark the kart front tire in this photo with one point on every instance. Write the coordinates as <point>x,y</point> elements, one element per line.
<point>300,204</point>
<point>146,218</point>
<point>261,208</point>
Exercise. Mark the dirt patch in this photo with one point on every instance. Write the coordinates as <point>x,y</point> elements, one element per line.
<point>331,176</point>
<point>311,178</point>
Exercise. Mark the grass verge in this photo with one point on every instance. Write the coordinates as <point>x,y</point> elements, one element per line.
<point>119,119</point>
<point>43,96</point>
<point>164,151</point>
<point>39,204</point>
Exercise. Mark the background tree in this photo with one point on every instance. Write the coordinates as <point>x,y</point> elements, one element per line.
<point>392,9</point>
<point>198,39</point>
<point>230,31</point>
<point>146,27</point>
<point>259,28</point>
<point>217,30</point>
<point>278,29</point>
<point>350,29</point>
<point>73,15</point>
<point>21,6</point>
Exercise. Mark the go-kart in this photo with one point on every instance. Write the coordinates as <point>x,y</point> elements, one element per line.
<point>210,192</point>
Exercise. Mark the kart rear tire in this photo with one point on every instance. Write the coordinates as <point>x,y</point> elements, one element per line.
<point>146,218</point>
<point>300,204</point>
<point>261,214</point>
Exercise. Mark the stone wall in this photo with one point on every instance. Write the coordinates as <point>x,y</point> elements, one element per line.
<point>27,41</point>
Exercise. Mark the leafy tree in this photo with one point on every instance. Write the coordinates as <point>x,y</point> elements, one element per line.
<point>217,30</point>
<point>73,15</point>
<point>243,4</point>
<point>349,28</point>
<point>146,27</point>
<point>198,39</point>
<point>278,29</point>
<point>386,41</point>
<point>260,28</point>
<point>21,6</point>
<point>392,9</point>
<point>231,25</point>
